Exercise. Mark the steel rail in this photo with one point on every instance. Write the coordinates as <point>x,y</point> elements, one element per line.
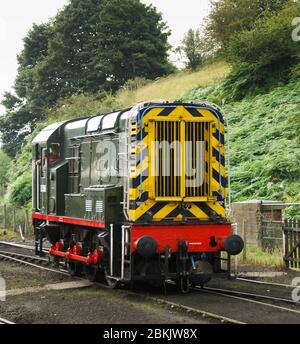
<point>6,322</point>
<point>260,296</point>
<point>33,258</point>
<point>20,261</point>
<point>265,283</point>
<point>26,247</point>
<point>222,293</point>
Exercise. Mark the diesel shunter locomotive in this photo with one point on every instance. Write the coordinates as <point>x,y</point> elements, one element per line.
<point>136,195</point>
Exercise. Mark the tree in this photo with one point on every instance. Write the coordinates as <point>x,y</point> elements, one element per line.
<point>229,17</point>
<point>23,110</point>
<point>68,67</point>
<point>192,48</point>
<point>15,128</point>
<point>34,51</point>
<point>90,46</point>
<point>264,56</point>
<point>5,164</point>
<point>132,42</point>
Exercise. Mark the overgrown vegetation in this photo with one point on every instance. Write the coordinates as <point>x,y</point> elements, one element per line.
<point>263,140</point>
<point>257,256</point>
<point>5,167</point>
<point>175,85</point>
<point>265,56</point>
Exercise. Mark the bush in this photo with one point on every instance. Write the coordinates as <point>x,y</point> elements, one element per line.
<point>5,163</point>
<point>136,83</point>
<point>20,191</point>
<point>81,105</point>
<point>263,56</point>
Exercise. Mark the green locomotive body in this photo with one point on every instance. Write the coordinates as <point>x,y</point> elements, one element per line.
<point>137,194</point>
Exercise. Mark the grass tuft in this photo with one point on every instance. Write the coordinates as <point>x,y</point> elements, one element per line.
<point>174,86</point>
<point>256,256</point>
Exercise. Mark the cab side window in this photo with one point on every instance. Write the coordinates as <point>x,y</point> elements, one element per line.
<point>54,155</point>
<point>74,168</point>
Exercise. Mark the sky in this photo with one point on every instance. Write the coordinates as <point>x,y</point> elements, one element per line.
<point>17,17</point>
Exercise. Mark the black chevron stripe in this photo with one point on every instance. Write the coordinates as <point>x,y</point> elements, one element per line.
<point>177,211</point>
<point>144,155</point>
<point>133,205</point>
<point>194,112</point>
<point>144,134</point>
<point>208,211</point>
<point>166,112</point>
<point>220,198</point>
<point>135,182</point>
<point>217,156</point>
<point>154,209</point>
<point>216,135</point>
<point>216,176</point>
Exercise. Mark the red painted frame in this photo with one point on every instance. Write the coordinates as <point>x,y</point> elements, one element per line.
<point>198,236</point>
<point>69,220</point>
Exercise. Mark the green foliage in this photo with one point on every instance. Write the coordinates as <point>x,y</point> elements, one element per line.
<point>10,101</point>
<point>19,173</point>
<point>20,191</point>
<point>132,41</point>
<point>230,17</point>
<point>35,50</point>
<point>263,56</point>
<point>192,48</point>
<point>68,65</point>
<point>264,136</point>
<point>5,167</point>
<point>257,256</point>
<point>83,105</point>
<point>91,46</point>
<point>134,84</point>
<point>18,122</point>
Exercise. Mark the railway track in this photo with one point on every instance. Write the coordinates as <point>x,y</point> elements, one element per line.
<point>12,244</point>
<point>5,322</point>
<point>39,263</point>
<point>255,299</point>
<point>22,246</point>
<point>248,280</point>
<point>249,295</point>
<point>28,260</point>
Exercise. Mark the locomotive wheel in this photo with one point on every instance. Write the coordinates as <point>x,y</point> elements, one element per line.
<point>74,269</point>
<point>93,273</point>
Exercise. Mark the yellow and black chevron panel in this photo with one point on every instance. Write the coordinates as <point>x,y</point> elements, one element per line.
<point>158,196</point>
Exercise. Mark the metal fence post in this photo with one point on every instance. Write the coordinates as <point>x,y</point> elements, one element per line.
<point>5,215</point>
<point>245,240</point>
<point>235,231</point>
<point>14,219</point>
<point>26,222</point>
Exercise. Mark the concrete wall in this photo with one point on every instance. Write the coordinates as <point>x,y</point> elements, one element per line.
<point>251,215</point>
<point>248,213</point>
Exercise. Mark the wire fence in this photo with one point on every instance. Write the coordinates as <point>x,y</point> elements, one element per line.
<point>15,219</point>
